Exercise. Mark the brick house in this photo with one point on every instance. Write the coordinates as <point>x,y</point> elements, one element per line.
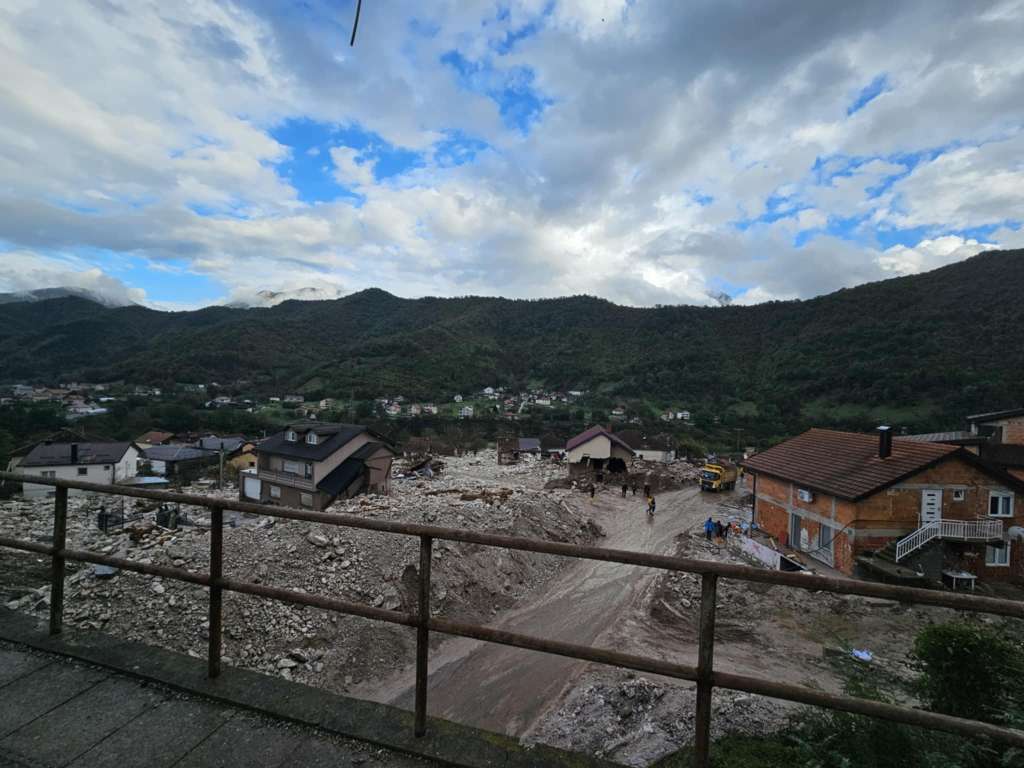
<point>310,464</point>
<point>900,508</point>
<point>1005,427</point>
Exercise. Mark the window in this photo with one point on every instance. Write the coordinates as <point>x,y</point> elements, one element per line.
<point>959,494</point>
<point>107,466</point>
<point>49,473</point>
<point>794,531</point>
<point>290,436</point>
<point>1000,504</point>
<point>275,492</point>
<point>83,471</point>
<point>292,467</point>
<point>998,556</point>
<point>311,438</point>
<point>306,499</point>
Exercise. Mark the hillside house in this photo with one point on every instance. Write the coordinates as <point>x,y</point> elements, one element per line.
<point>899,508</point>
<point>310,464</point>
<point>181,462</point>
<point>597,451</point>
<point>1003,427</point>
<point>153,437</point>
<point>99,462</point>
<point>466,412</point>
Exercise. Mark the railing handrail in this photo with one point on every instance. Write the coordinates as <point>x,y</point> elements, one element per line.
<point>704,673</point>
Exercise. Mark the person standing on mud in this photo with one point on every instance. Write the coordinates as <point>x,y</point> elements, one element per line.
<point>647,490</point>
<point>593,489</point>
<point>709,528</point>
<point>634,487</point>
<point>625,487</point>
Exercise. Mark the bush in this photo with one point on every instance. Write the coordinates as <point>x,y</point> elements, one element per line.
<point>968,669</point>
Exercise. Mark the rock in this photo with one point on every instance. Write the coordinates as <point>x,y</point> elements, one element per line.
<point>378,601</point>
<point>287,663</point>
<point>317,540</point>
<point>158,588</point>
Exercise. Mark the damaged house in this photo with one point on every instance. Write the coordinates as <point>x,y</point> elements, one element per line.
<point>310,464</point>
<point>597,451</point>
<point>900,509</point>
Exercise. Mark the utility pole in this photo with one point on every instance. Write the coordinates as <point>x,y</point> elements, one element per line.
<point>220,484</point>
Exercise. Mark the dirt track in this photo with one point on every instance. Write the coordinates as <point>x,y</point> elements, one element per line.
<point>509,690</point>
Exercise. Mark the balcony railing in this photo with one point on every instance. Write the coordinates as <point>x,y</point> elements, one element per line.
<point>704,673</point>
<point>981,529</point>
<point>285,478</point>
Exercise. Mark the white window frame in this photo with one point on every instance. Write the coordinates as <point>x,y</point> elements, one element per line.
<point>1002,553</point>
<point>959,494</point>
<point>275,492</point>
<point>290,436</point>
<point>312,439</point>
<point>49,473</point>
<point>306,499</point>
<point>1006,503</point>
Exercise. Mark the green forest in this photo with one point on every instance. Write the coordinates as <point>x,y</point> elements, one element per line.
<point>920,351</point>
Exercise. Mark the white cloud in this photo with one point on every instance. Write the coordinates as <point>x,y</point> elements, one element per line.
<point>162,114</point>
<point>22,271</point>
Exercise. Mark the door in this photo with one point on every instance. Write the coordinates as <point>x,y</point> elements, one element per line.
<point>931,506</point>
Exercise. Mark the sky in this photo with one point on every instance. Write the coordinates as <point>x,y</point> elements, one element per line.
<point>179,155</point>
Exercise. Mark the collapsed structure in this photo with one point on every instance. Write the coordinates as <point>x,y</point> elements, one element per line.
<point>310,464</point>
<point>597,451</point>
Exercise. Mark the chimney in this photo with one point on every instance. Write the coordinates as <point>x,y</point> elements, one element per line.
<point>884,442</point>
<point>74,453</point>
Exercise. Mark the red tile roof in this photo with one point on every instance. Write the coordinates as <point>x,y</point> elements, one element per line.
<point>590,434</point>
<point>846,464</point>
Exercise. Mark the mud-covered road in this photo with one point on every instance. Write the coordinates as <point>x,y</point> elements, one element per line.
<point>509,690</point>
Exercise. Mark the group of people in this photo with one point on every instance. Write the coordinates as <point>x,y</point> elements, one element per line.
<point>716,529</point>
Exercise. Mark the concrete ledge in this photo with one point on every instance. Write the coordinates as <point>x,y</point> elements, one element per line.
<point>446,742</point>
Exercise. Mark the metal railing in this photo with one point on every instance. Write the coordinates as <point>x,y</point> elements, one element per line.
<point>285,478</point>
<point>966,530</point>
<point>704,673</point>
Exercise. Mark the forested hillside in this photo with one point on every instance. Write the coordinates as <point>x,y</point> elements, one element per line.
<point>920,350</point>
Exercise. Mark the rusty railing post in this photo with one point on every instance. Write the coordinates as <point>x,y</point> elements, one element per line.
<point>705,665</point>
<point>60,541</point>
<point>423,636</point>
<point>216,588</point>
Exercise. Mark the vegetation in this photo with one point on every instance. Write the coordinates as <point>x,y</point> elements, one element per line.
<point>924,349</point>
<point>967,668</point>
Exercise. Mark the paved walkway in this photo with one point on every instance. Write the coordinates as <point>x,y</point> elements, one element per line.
<point>55,712</point>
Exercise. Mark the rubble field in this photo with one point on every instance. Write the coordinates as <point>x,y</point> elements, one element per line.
<point>469,582</point>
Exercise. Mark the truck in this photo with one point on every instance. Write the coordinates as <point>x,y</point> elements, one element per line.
<point>718,476</point>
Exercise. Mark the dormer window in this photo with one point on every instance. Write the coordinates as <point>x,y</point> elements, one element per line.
<point>290,436</point>
<point>311,438</point>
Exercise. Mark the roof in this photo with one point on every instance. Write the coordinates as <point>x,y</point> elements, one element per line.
<point>958,437</point>
<point>175,453</point>
<point>367,450</point>
<point>993,415</point>
<point>333,437</point>
<point>230,443</point>
<point>154,437</point>
<point>59,454</point>
<point>529,444</point>
<point>342,476</point>
<point>846,464</point>
<point>590,434</point>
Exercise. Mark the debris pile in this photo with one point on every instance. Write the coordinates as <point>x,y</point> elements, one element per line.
<point>635,721</point>
<point>469,582</point>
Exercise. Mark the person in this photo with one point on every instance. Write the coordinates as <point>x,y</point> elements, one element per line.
<point>634,487</point>
<point>647,490</point>
<point>709,528</point>
<point>651,504</point>
<point>718,529</point>
<point>592,490</point>
<point>725,531</point>
<point>625,487</point>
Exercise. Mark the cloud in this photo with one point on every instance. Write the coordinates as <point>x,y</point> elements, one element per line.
<point>646,152</point>
<point>22,271</point>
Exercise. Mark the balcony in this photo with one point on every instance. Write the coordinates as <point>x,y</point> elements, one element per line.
<point>982,529</point>
<point>286,478</point>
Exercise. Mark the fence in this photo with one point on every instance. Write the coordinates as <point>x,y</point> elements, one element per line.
<point>704,674</point>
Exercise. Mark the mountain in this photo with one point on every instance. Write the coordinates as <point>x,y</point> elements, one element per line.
<point>920,350</point>
<point>44,294</point>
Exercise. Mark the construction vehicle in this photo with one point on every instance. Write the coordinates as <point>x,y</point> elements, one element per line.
<point>718,476</point>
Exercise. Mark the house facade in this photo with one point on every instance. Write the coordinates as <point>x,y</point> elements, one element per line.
<point>1005,427</point>
<point>97,462</point>
<point>310,464</point>
<point>597,451</point>
<point>871,503</point>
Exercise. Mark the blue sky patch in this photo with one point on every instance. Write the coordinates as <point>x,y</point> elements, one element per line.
<point>869,93</point>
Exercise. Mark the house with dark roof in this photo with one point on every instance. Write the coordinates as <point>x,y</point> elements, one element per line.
<point>182,462</point>
<point>897,508</point>
<point>597,451</point>
<point>93,462</point>
<point>310,464</point>
<point>1005,427</point>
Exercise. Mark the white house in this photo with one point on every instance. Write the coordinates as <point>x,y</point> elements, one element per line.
<point>89,462</point>
<point>597,450</point>
<point>466,412</point>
